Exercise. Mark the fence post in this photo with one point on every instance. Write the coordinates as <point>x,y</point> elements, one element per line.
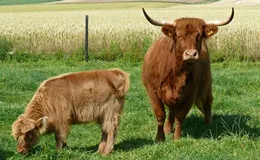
<point>86,39</point>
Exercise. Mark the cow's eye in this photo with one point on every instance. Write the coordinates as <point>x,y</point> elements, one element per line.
<point>198,37</point>
<point>179,38</point>
<point>29,136</point>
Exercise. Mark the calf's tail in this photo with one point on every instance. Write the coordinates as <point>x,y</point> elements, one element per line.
<point>121,83</point>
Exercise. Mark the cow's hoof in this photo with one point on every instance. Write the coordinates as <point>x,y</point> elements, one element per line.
<point>160,138</point>
<point>168,129</point>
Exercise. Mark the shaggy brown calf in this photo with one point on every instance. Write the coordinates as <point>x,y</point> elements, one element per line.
<point>176,71</point>
<point>70,99</point>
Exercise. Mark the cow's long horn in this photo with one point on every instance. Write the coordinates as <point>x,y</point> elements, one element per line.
<point>222,23</point>
<point>154,22</point>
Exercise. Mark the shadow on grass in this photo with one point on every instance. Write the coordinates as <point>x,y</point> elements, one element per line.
<point>125,145</point>
<point>131,144</point>
<point>90,149</point>
<point>5,154</point>
<point>223,125</point>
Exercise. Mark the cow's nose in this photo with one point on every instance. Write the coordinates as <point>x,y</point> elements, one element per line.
<point>190,54</point>
<point>21,150</point>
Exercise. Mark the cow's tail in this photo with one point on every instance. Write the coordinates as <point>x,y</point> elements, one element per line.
<point>122,82</point>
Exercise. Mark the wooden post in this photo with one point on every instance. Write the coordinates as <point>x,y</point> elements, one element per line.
<point>86,39</point>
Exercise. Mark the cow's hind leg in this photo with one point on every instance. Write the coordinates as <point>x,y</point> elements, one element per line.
<point>169,124</point>
<point>159,112</point>
<point>207,109</point>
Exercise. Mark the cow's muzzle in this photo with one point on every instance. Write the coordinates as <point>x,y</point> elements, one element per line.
<point>22,150</point>
<point>190,55</point>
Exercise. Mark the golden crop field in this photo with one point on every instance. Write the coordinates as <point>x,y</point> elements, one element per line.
<point>50,28</point>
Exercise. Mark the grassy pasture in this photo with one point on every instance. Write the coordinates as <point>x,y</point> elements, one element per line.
<point>119,30</point>
<point>233,135</point>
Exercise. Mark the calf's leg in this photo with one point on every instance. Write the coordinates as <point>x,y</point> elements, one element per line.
<point>111,135</point>
<point>109,130</point>
<point>103,142</point>
<point>60,137</point>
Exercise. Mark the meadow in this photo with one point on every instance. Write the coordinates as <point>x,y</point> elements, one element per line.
<point>40,41</point>
<point>234,133</point>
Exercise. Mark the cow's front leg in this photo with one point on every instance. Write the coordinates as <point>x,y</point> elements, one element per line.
<point>180,115</point>
<point>160,114</point>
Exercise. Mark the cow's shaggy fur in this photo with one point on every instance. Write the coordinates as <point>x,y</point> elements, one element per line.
<point>70,99</point>
<point>176,73</point>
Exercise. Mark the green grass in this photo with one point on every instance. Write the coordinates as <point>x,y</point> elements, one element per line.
<point>234,133</point>
<point>15,2</point>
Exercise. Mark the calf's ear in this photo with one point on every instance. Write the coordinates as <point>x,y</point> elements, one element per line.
<point>41,124</point>
<point>210,30</point>
<point>168,30</point>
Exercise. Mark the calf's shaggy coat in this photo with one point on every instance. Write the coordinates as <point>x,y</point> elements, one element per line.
<point>70,99</point>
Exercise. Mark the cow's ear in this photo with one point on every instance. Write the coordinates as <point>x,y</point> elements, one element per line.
<point>210,30</point>
<point>28,124</point>
<point>41,124</point>
<point>168,30</point>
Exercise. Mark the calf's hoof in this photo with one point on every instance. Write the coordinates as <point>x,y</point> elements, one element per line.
<point>61,146</point>
<point>65,145</point>
<point>106,152</point>
<point>101,147</point>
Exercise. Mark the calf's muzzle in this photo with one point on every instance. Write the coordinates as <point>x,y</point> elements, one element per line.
<point>22,150</point>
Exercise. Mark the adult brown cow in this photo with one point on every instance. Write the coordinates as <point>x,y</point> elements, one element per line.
<point>176,71</point>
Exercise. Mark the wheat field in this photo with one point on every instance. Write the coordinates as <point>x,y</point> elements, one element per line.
<point>49,28</point>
